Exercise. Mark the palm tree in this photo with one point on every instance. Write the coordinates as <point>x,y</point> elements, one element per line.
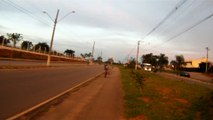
<point>86,55</point>
<point>41,47</point>
<point>69,52</point>
<point>180,61</point>
<point>14,37</point>
<point>174,64</point>
<point>3,40</point>
<point>26,45</point>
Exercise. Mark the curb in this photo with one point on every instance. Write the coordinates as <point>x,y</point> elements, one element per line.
<point>19,115</point>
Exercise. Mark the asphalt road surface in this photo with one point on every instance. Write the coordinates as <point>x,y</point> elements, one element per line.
<point>200,76</point>
<point>22,89</point>
<point>203,82</point>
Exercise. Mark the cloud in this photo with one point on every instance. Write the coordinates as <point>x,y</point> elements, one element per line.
<point>3,29</point>
<point>104,15</point>
<point>115,25</point>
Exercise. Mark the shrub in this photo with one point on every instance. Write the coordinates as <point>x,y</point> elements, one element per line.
<point>138,79</point>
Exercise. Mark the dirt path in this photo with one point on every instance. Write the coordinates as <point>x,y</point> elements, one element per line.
<point>99,100</point>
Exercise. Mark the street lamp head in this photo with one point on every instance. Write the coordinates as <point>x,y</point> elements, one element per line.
<point>48,15</point>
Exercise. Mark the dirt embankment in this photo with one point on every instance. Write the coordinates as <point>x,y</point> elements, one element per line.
<point>6,52</point>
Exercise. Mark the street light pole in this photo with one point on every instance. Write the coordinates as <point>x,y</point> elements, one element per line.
<point>136,61</point>
<point>53,33</point>
<point>3,41</point>
<point>51,42</point>
<point>92,54</point>
<point>93,48</point>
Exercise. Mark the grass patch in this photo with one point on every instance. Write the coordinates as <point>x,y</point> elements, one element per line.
<point>165,99</point>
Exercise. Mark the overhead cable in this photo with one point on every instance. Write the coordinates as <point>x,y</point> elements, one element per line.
<point>186,30</point>
<point>25,11</point>
<point>162,21</point>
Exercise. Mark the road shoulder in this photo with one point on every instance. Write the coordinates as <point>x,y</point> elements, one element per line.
<point>100,99</point>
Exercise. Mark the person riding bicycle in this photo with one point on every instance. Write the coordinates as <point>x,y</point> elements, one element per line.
<point>106,68</point>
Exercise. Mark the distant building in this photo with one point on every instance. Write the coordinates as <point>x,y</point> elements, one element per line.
<point>194,63</point>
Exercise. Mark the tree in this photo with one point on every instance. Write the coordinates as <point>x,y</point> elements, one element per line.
<point>86,55</point>
<point>69,52</point>
<point>150,58</point>
<point>180,61</point>
<point>41,47</point>
<point>162,60</point>
<point>26,45</point>
<point>15,37</point>
<point>131,63</point>
<point>174,64</point>
<point>110,60</point>
<point>99,59</point>
<point>3,40</point>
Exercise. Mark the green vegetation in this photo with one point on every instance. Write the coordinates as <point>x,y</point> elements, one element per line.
<point>15,37</point>
<point>202,107</point>
<point>41,47</point>
<point>155,60</point>
<point>164,99</point>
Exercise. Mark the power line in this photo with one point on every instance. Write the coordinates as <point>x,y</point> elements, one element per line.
<point>165,29</point>
<point>31,5</point>
<point>29,13</point>
<point>130,53</point>
<point>186,30</point>
<point>65,32</point>
<point>196,24</point>
<point>162,21</point>
<point>25,11</point>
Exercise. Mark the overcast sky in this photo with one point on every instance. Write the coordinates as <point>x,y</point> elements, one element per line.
<point>115,25</point>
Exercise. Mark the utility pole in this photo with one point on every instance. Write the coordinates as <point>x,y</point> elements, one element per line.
<point>51,42</point>
<point>28,44</point>
<point>207,55</point>
<point>93,48</point>
<point>55,22</point>
<point>40,49</point>
<point>136,61</point>
<point>3,41</point>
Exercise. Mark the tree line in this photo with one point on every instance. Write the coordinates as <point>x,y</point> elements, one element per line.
<point>160,61</point>
<point>42,47</point>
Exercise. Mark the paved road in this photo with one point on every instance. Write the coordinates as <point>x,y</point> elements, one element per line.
<point>186,79</point>
<point>200,76</point>
<point>21,89</point>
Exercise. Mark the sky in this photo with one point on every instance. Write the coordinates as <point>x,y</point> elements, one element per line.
<point>171,27</point>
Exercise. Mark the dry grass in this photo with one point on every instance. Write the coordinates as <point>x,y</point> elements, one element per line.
<point>165,99</point>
